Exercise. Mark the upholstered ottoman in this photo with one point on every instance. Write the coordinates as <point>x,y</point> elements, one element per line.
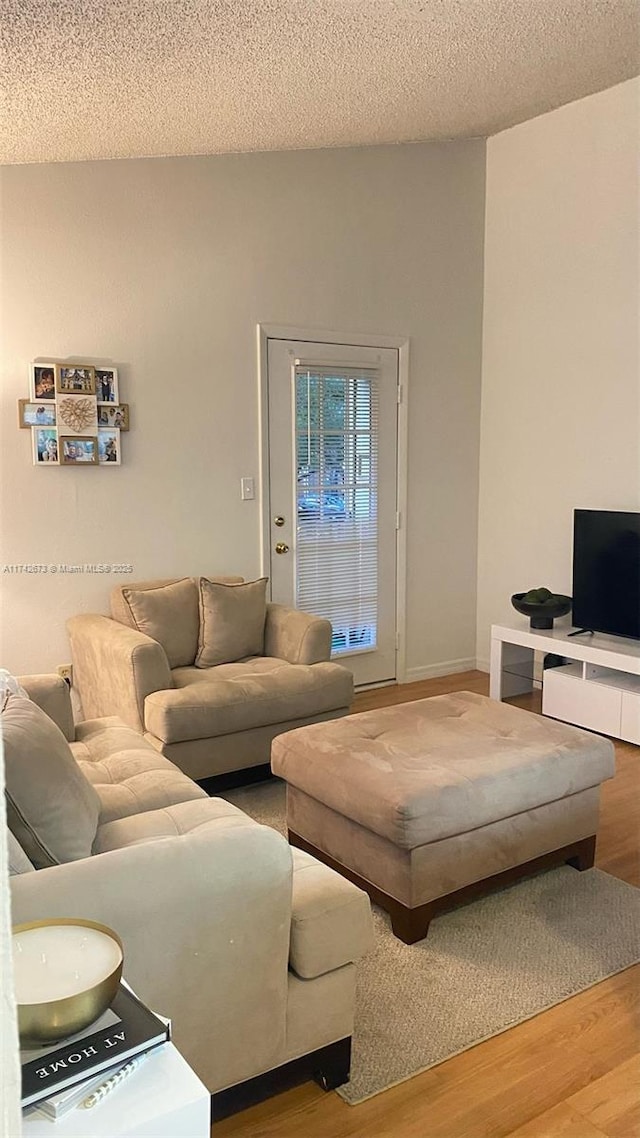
<point>426,804</point>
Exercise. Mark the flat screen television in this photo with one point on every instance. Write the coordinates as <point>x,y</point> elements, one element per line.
<point>606,572</point>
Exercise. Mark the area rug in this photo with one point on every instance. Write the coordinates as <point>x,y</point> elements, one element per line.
<point>483,968</point>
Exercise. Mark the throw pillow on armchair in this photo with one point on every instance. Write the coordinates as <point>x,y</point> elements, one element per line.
<point>232,619</point>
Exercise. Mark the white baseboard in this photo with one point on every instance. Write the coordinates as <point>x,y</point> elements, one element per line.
<point>483,666</point>
<point>443,668</point>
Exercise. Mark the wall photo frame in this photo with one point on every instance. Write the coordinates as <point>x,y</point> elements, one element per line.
<point>43,382</point>
<point>36,414</point>
<point>78,450</point>
<point>113,415</point>
<point>46,447</point>
<point>74,414</point>
<point>109,445</point>
<point>78,379</point>
<point>107,385</point>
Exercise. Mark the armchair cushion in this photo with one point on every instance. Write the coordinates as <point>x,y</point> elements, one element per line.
<point>51,807</point>
<point>168,614</point>
<point>232,619</point>
<point>240,696</point>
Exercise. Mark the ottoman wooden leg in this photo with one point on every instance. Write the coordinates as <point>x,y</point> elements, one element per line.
<point>585,854</point>
<point>409,925</point>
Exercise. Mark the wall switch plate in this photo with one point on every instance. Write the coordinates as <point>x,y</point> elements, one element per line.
<point>65,671</point>
<point>247,489</point>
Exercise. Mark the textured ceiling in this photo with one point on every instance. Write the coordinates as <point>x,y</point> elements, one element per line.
<point>86,79</point>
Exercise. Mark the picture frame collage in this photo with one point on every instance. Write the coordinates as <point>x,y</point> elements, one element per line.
<point>74,414</point>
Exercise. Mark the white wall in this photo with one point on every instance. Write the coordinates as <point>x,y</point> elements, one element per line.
<point>560,425</point>
<point>164,267</point>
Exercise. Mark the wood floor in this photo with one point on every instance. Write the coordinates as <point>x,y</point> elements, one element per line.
<point>571,1072</point>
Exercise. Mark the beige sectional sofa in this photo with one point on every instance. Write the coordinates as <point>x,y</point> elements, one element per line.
<point>147,664</point>
<point>249,946</point>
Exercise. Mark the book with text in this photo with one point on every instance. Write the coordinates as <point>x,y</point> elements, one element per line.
<point>60,1103</point>
<point>126,1029</point>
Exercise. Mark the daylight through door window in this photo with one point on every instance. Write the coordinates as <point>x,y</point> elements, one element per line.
<point>336,429</point>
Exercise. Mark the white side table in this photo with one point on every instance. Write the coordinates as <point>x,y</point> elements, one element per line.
<point>163,1099</point>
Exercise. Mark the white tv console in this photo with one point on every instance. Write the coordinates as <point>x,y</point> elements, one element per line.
<point>598,689</point>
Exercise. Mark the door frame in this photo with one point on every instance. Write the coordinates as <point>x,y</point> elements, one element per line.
<point>266,332</point>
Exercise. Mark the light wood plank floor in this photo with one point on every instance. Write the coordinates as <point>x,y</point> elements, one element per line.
<point>572,1072</point>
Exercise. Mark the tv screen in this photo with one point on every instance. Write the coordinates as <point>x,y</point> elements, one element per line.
<point>606,571</point>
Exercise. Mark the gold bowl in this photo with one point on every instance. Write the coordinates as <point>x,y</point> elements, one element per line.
<point>66,974</point>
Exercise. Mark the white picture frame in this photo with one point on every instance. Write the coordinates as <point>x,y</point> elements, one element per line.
<point>109,450</point>
<point>107,385</point>
<point>43,382</point>
<point>46,446</point>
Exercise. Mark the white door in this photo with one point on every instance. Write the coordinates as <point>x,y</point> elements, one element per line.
<point>332,473</point>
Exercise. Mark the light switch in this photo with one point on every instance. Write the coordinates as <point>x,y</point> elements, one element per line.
<point>247,491</point>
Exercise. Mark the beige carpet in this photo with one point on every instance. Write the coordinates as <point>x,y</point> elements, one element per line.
<point>482,969</point>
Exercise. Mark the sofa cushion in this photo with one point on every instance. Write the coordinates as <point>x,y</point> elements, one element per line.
<point>100,738</point>
<point>51,807</point>
<point>168,614</point>
<point>52,694</point>
<point>171,822</point>
<point>330,919</point>
<point>237,697</point>
<point>18,860</point>
<point>232,619</point>
<point>129,775</point>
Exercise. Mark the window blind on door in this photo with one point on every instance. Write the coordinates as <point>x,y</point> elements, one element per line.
<point>336,447</point>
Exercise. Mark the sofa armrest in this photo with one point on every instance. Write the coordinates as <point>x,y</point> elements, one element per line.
<point>115,668</point>
<point>296,636</point>
<point>52,694</point>
<point>204,918</point>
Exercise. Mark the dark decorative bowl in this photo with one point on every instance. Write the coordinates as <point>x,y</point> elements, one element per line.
<point>542,615</point>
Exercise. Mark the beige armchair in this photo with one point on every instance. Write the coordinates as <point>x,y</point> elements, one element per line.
<point>141,664</point>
